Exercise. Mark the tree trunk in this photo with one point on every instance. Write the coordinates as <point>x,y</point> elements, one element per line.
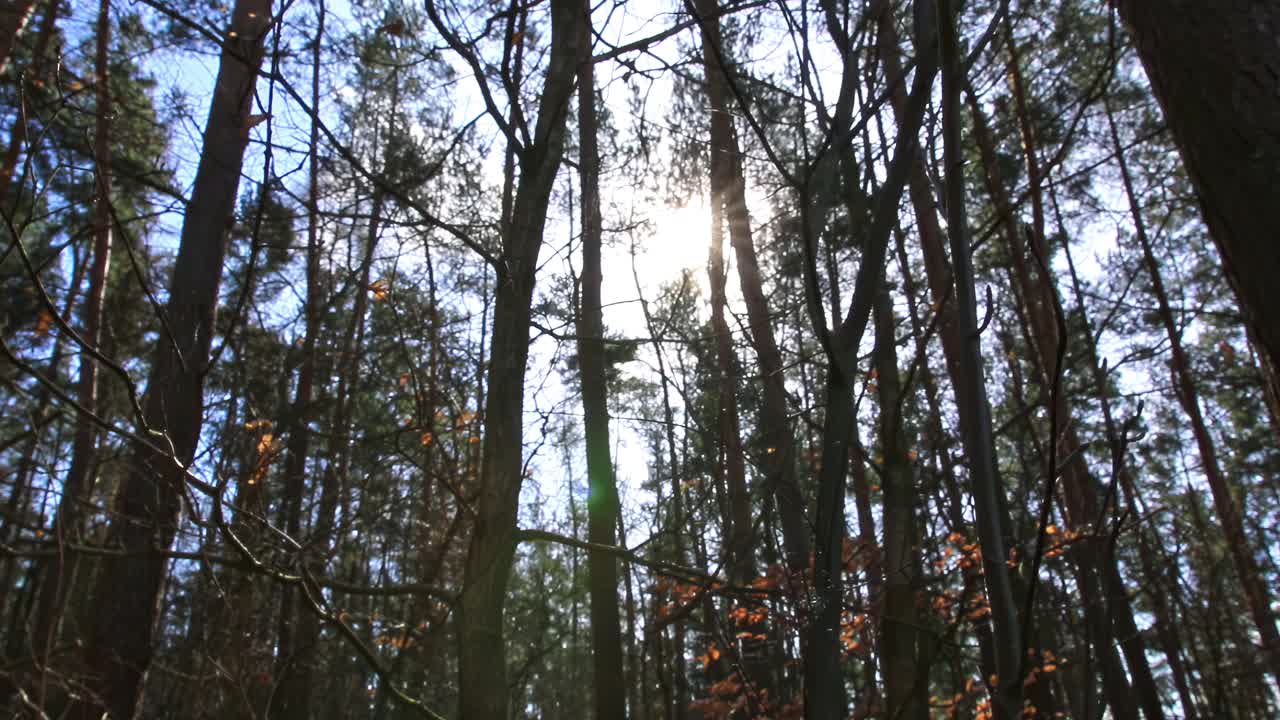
<point>904,639</point>
<point>971,390</point>
<point>676,699</point>
<point>610,686</point>
<point>729,190</point>
<point>482,671</point>
<point>1215,69</point>
<point>298,629</point>
<point>14,15</point>
<point>18,133</point>
<point>1097,574</point>
<point>824,684</point>
<point>128,592</point>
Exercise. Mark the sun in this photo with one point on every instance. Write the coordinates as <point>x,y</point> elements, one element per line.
<point>680,241</point>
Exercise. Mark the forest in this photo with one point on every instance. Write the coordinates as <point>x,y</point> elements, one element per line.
<point>651,359</point>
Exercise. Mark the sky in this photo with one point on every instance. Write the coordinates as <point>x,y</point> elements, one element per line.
<point>675,238</point>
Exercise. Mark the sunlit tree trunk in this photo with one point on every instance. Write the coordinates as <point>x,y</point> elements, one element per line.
<point>729,189</point>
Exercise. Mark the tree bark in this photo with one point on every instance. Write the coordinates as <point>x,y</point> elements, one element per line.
<point>729,184</point>
<point>18,133</point>
<point>128,591</point>
<point>904,640</point>
<point>1215,69</point>
<point>824,684</point>
<point>609,688</point>
<point>971,389</point>
<point>1096,573</point>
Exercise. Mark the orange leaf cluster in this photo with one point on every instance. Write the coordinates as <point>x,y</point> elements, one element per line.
<point>269,448</point>
<point>745,617</point>
<point>1062,539</point>
<point>853,630</point>
<point>399,642</point>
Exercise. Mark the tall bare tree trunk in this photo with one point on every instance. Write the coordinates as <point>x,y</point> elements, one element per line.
<point>298,628</point>
<point>1097,573</point>
<point>1215,68</point>
<point>128,591</point>
<point>722,177</point>
<point>676,699</point>
<point>729,189</point>
<point>824,683</point>
<point>904,643</point>
<point>1150,547</point>
<point>610,686</point>
<point>482,670</point>
<point>971,390</point>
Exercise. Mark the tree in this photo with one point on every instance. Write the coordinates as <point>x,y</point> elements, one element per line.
<point>481,653</point>
<point>127,592</point>
<point>602,499</point>
<point>13,19</point>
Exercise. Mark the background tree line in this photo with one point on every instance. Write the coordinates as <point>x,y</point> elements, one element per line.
<point>348,368</point>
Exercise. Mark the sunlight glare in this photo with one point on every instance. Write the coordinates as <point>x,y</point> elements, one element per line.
<point>679,242</point>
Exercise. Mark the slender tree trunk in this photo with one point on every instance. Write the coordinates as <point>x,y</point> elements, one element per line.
<point>128,592</point>
<point>940,288</point>
<point>904,639</point>
<point>1149,547</point>
<point>729,190</point>
<point>1257,594</point>
<point>728,202</point>
<point>971,391</point>
<point>298,629</point>
<point>482,670</point>
<point>677,697</point>
<point>824,684</point>
<point>1215,69</point>
<point>59,573</point>
<point>1097,573</point>
<point>609,688</point>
